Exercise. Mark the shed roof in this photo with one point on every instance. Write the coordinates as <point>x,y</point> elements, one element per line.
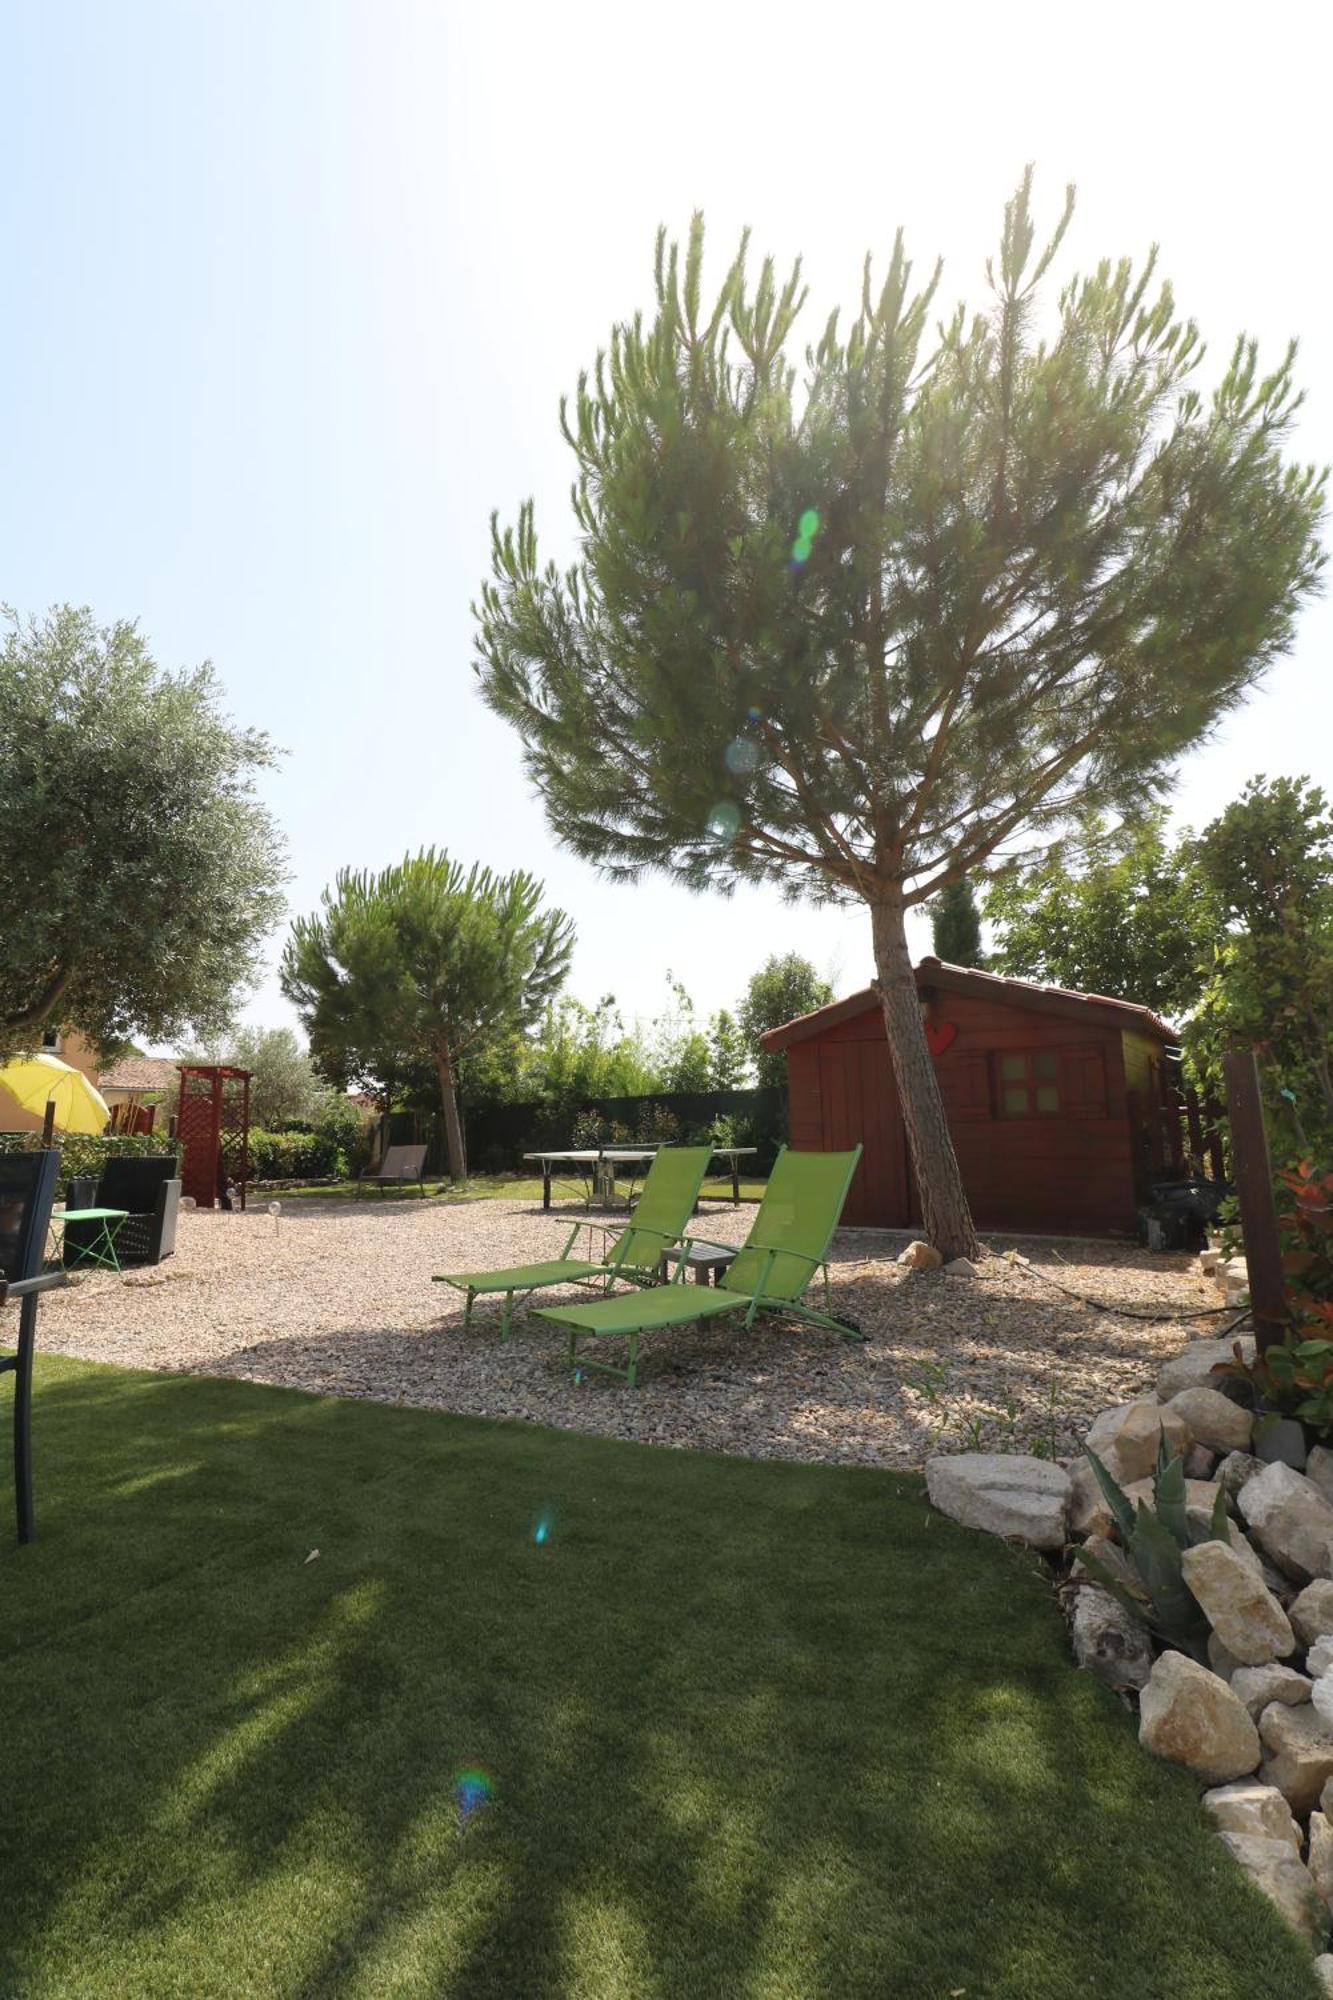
<point>935,975</point>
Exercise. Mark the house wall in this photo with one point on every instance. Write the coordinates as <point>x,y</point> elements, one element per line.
<point>1066,1172</point>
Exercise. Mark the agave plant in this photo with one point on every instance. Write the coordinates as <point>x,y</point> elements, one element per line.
<point>1154,1539</point>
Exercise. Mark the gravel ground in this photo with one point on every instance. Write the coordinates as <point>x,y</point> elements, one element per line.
<point>338,1299</point>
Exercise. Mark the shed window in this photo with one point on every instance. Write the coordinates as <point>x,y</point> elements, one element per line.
<point>1030,1084</point>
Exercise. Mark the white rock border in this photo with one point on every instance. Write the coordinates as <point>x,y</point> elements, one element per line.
<point>1258,1733</point>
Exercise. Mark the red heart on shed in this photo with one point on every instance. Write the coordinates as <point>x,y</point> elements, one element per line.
<point>941,1035</point>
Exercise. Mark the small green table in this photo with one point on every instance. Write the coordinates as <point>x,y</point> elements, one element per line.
<point>102,1249</point>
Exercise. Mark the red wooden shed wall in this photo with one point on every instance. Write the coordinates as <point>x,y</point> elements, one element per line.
<point>1064,1172</point>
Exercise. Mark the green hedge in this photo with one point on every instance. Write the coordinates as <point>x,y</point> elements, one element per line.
<point>296,1156</point>
<point>82,1157</point>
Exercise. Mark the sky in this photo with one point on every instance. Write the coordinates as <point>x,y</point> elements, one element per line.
<point>294,288</point>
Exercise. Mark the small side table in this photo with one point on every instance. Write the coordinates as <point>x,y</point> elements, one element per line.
<point>102,1249</point>
<point>708,1261</point>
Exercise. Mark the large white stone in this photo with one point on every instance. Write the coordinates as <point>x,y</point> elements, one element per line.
<point>1213,1419</point>
<point>1019,1497</point>
<point>1192,1717</point>
<point>1088,1512</point>
<point>1319,1855</point>
<point>1257,1686</point>
<point>1127,1438</point>
<point>1193,1369</point>
<point>1245,1615</point>
<point>1319,1468</point>
<point>1319,1659</point>
<point>1232,1472</point>
<point>1291,1521</point>
<point>1284,1879</point>
<point>920,1256</point>
<point>1200,1497</point>
<point>1249,1807</point>
<point>1311,1613</point>
<point>1323,1972</point>
<point>1321,1695</point>
<point>1300,1753</point>
<point>1107,1641</point>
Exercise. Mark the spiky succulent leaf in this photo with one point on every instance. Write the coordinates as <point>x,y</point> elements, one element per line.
<point>1174,1613</point>
<point>1116,1497</point>
<point>1169,1495</point>
<point>1135,1602</point>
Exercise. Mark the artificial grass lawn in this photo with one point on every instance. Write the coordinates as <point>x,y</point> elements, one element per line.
<point>487,1187</point>
<point>751,1729</point>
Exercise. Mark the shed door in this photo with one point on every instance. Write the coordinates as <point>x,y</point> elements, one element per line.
<point>860,1107</point>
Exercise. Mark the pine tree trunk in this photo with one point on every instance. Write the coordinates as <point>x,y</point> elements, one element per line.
<point>946,1219</point>
<point>453,1124</point>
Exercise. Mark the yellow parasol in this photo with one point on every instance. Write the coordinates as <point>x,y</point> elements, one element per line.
<point>36,1081</point>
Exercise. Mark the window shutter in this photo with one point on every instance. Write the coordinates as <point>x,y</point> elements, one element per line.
<point>1085,1083</point>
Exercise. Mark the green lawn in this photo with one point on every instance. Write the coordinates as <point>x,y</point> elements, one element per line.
<point>481,1187</point>
<point>757,1731</point>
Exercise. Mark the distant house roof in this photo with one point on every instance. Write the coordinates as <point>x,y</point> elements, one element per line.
<point>934,974</point>
<point>139,1074</point>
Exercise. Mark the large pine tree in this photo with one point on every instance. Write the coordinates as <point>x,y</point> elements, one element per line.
<point>857,639</point>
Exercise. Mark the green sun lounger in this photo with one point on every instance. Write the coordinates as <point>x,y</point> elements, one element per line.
<point>787,1245</point>
<point>659,1220</point>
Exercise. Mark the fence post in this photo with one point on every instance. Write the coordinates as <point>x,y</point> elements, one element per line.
<point>1254,1191</point>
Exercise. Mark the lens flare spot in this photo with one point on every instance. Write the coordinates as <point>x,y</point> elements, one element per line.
<point>542,1527</point>
<point>754,715</point>
<point>472,1789</point>
<point>800,551</point>
<point>741,756</point>
<point>578,1377</point>
<point>724,820</point>
<point>808,525</point>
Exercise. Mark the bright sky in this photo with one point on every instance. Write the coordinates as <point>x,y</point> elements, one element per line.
<point>294,287</point>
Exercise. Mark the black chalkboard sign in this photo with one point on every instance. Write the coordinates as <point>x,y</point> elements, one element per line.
<point>27,1195</point>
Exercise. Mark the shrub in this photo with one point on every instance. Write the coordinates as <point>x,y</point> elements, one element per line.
<point>295,1156</point>
<point>83,1157</point>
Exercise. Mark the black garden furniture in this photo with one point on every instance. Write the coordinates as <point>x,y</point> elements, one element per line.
<point>27,1195</point>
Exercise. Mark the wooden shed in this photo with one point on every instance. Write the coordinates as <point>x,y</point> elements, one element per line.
<point>1061,1104</point>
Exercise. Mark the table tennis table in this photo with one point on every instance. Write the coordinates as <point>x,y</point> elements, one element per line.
<point>596,1167</point>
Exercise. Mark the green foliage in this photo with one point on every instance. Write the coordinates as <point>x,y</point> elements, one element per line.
<point>1154,1539</point>
<point>83,1156</point>
<point>139,874</point>
<point>420,965</point>
<point>1305,1203</point>
<point>857,631</point>
<point>1134,922</point>
<point>728,1054</point>
<point>285,1087</point>
<point>955,925</point>
<point>782,988</point>
<point>292,1156</point>
<point>1292,1378</point>
<point>1267,866</point>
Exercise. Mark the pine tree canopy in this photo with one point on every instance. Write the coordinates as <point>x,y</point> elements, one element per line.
<point>421,965</point>
<point>859,636</point>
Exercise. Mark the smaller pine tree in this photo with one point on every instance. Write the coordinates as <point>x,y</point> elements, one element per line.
<point>955,925</point>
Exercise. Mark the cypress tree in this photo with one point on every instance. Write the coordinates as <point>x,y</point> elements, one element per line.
<point>955,925</point>
<point>856,639</point>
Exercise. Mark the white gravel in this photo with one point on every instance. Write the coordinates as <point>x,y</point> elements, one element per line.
<point>337,1298</point>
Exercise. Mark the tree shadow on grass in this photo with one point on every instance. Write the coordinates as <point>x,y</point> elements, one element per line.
<point>748,1729</point>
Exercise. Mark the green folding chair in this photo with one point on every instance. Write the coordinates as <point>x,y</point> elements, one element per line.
<point>787,1245</point>
<point>659,1220</point>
